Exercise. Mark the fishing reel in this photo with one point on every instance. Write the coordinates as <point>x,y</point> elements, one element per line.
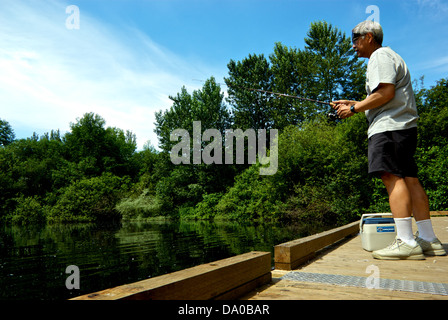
<point>333,116</point>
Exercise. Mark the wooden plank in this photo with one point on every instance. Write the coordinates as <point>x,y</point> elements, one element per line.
<point>352,260</point>
<point>432,213</point>
<point>228,278</point>
<point>245,288</point>
<point>289,255</point>
<point>438,213</point>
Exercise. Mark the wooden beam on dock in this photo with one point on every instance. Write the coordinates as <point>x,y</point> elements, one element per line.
<point>438,213</point>
<point>289,255</point>
<point>224,279</point>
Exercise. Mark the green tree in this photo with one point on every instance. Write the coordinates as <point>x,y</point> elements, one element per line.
<point>107,149</point>
<point>293,74</point>
<point>28,168</point>
<point>170,188</point>
<point>204,105</point>
<point>432,150</point>
<point>339,73</point>
<point>7,135</point>
<point>327,69</point>
<point>35,173</point>
<point>251,108</point>
<point>433,112</point>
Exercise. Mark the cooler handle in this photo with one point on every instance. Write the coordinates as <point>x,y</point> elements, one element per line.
<point>371,215</point>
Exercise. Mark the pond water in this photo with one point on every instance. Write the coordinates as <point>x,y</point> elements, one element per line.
<point>33,259</point>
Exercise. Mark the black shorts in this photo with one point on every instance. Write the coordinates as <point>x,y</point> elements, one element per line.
<point>393,152</point>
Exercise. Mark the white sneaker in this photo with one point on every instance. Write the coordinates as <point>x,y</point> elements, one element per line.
<point>399,250</point>
<point>431,248</point>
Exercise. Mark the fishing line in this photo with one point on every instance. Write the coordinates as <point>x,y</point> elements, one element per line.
<point>274,93</point>
<point>332,115</point>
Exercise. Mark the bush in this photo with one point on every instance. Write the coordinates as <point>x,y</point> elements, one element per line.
<point>323,168</point>
<point>28,211</point>
<point>433,168</point>
<point>253,197</point>
<point>89,199</point>
<point>144,206</point>
<point>206,209</point>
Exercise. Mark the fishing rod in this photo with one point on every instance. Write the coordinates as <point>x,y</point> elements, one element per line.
<point>288,96</point>
<point>276,93</point>
<point>331,115</point>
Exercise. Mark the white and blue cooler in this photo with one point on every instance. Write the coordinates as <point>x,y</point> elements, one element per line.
<point>377,230</point>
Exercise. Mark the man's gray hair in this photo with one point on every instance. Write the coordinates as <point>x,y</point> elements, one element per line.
<point>369,26</point>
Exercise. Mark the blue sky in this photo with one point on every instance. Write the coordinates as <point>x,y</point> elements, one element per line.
<point>127,57</point>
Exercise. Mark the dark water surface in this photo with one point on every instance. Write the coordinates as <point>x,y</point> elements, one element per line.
<point>33,259</point>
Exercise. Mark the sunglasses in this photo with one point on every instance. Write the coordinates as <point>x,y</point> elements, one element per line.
<point>356,36</point>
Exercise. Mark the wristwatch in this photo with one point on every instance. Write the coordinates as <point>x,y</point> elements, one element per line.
<point>352,109</point>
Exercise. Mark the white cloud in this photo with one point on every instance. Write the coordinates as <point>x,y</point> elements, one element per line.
<point>436,9</point>
<point>434,4</point>
<point>50,75</point>
<point>440,64</point>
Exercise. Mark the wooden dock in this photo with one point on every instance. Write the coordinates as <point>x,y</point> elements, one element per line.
<point>225,279</point>
<point>345,271</point>
<point>329,265</point>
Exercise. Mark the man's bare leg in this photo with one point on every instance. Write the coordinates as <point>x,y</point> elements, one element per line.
<point>400,198</point>
<point>420,208</point>
<point>406,195</point>
<point>420,202</point>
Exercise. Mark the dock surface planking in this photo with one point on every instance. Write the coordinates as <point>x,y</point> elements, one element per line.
<point>349,259</point>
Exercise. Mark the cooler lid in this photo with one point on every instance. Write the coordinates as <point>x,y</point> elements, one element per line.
<point>378,220</point>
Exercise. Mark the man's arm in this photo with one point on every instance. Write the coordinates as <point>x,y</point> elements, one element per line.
<point>384,93</point>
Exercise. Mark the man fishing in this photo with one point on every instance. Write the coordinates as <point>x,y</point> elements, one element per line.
<point>392,139</point>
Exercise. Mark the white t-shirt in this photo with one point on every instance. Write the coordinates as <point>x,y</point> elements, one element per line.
<point>386,66</point>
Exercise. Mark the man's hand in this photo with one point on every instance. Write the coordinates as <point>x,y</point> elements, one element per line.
<point>343,108</point>
<point>344,111</point>
<point>384,93</point>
